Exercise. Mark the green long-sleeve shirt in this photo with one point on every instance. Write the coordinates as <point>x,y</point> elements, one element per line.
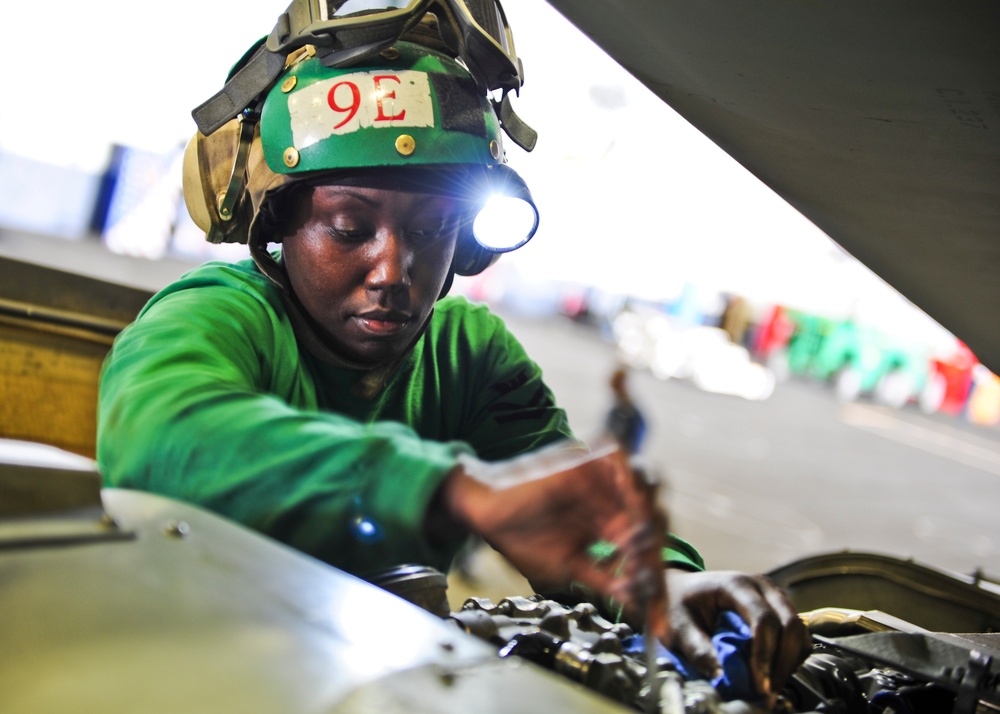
<point>208,397</point>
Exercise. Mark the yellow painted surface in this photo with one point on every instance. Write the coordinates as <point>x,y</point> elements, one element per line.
<point>48,385</point>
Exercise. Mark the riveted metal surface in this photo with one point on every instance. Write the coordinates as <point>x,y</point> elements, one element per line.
<point>225,620</point>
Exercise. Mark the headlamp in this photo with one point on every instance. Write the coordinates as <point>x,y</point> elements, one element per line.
<point>508,217</point>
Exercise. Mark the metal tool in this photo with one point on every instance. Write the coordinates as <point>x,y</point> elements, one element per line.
<point>627,425</point>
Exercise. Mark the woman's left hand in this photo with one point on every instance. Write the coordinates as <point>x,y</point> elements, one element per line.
<point>780,639</point>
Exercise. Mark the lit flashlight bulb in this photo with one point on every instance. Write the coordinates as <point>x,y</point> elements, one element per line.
<point>504,223</point>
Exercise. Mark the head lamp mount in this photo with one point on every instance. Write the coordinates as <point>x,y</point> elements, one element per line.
<point>347,31</point>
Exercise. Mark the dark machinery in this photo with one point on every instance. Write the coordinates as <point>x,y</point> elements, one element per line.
<point>863,662</point>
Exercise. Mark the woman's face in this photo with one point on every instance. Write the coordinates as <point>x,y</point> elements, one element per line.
<point>368,264</point>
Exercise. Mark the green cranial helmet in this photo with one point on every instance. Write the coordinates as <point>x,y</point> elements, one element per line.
<point>410,108</point>
<point>411,114</point>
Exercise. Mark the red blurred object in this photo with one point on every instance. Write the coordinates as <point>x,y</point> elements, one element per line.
<point>955,375</point>
<point>774,332</point>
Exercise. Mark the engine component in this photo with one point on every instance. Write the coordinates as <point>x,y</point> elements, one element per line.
<point>891,667</point>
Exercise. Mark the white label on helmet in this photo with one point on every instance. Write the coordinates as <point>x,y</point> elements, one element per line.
<point>360,100</point>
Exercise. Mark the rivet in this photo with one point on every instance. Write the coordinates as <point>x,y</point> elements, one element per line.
<point>291,157</point>
<point>177,529</point>
<point>495,149</point>
<point>224,213</point>
<point>289,83</point>
<point>405,144</point>
<point>389,53</point>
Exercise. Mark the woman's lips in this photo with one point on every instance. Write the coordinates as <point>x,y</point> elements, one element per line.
<point>383,323</point>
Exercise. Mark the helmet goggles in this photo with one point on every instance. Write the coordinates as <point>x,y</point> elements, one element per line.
<point>347,31</point>
<point>475,30</point>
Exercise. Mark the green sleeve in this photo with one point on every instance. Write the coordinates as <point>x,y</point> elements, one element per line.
<point>681,554</point>
<point>508,409</point>
<point>204,399</point>
<point>677,554</point>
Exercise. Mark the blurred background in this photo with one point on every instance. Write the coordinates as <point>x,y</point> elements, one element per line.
<point>797,404</point>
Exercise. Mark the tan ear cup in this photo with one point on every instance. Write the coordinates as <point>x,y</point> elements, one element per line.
<point>198,204</point>
<point>208,171</point>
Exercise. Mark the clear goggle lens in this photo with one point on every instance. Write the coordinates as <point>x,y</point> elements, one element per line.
<point>333,10</point>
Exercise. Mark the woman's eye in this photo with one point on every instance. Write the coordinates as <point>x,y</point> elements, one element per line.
<point>424,232</point>
<point>351,233</point>
<point>432,228</point>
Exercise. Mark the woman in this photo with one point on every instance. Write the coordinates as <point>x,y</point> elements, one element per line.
<point>329,395</point>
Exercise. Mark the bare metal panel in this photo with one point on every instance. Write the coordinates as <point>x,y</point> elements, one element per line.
<point>879,121</point>
<point>194,613</point>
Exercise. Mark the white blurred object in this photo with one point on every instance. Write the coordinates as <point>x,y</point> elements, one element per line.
<point>895,388</point>
<point>704,355</point>
<point>721,367</point>
<point>30,453</point>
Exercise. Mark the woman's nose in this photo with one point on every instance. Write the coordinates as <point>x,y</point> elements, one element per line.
<point>393,259</point>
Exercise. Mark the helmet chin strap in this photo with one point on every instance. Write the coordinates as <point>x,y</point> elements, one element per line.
<point>310,334</point>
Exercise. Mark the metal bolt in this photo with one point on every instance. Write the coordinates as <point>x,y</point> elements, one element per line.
<point>177,529</point>
<point>289,84</point>
<point>291,157</point>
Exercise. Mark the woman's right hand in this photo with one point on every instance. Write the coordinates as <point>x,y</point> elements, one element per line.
<point>546,511</point>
